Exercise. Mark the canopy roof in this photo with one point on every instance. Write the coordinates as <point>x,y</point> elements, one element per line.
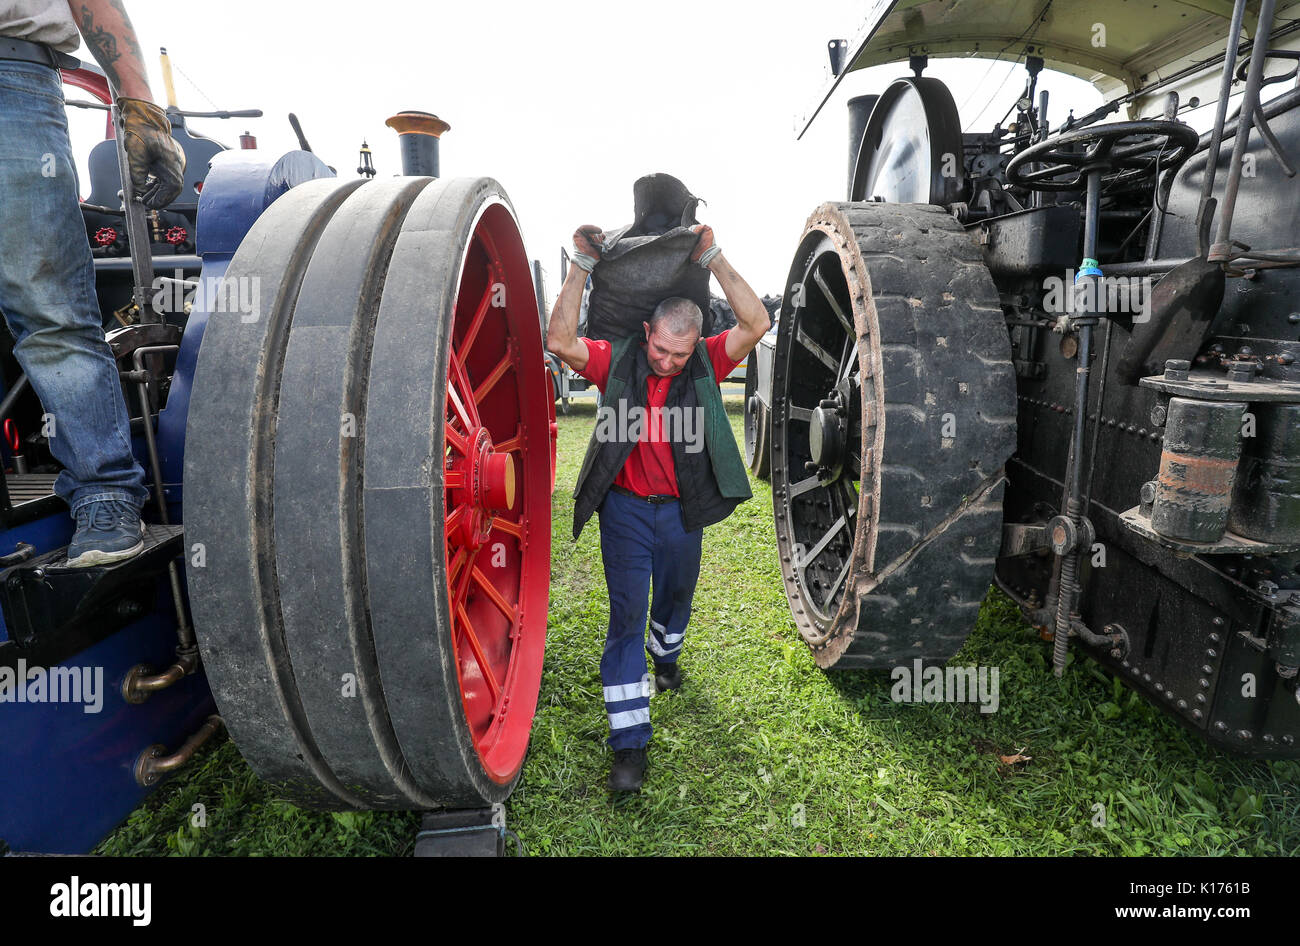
<point>1117,45</point>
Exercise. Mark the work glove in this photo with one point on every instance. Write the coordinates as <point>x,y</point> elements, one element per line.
<point>155,158</point>
<point>705,249</point>
<point>587,242</point>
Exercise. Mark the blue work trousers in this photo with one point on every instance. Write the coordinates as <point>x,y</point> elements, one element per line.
<point>47,294</point>
<point>642,543</point>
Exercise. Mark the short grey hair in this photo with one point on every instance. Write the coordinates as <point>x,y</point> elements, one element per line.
<point>678,316</point>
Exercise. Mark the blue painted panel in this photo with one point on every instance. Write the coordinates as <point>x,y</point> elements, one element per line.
<point>242,184</point>
<point>239,187</point>
<point>66,775</point>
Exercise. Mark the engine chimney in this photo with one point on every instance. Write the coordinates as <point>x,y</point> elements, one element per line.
<point>419,133</point>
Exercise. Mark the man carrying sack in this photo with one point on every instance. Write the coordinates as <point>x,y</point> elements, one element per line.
<point>662,464</point>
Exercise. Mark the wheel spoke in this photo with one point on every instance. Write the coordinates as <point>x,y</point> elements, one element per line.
<point>504,606</point>
<point>497,373</point>
<point>508,526</point>
<point>453,479</point>
<point>457,440</point>
<point>804,485</point>
<point>458,387</point>
<point>847,361</point>
<point>850,497</point>
<point>513,444</point>
<point>824,541</point>
<point>839,580</point>
<point>801,413</point>
<point>467,632</point>
<point>480,315</point>
<point>831,301</point>
<point>821,354</point>
<point>453,521</point>
<point>839,502</point>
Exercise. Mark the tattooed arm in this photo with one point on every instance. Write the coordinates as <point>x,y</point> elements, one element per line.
<point>112,41</point>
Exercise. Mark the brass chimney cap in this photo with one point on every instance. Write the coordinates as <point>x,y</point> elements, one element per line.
<point>418,123</point>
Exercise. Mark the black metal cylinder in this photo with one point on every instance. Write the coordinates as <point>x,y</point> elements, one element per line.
<point>1266,500</point>
<point>1197,469</point>
<point>418,134</point>
<point>860,107</point>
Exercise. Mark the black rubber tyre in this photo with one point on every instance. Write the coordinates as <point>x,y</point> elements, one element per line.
<point>893,380</point>
<point>320,598</point>
<point>228,503</point>
<point>758,425</point>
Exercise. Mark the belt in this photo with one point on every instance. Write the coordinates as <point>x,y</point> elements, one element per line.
<point>24,50</point>
<point>653,500</point>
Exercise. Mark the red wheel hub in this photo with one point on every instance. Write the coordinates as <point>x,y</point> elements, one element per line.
<point>482,485</point>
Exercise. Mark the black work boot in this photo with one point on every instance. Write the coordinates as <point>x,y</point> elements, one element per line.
<point>667,677</point>
<point>628,770</point>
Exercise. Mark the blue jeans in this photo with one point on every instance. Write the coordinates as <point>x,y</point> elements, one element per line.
<point>47,294</point>
<point>640,542</point>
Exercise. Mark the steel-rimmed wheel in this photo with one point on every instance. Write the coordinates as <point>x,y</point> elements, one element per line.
<point>757,424</point>
<point>368,469</point>
<point>490,569</point>
<point>893,399</point>
<point>820,489</point>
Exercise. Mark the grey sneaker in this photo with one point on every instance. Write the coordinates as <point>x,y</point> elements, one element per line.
<point>107,531</point>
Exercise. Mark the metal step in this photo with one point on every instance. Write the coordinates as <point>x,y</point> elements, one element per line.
<point>52,611</point>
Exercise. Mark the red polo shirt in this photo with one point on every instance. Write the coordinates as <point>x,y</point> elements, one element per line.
<point>650,470</point>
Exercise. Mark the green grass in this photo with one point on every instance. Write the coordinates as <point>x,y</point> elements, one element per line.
<point>762,753</point>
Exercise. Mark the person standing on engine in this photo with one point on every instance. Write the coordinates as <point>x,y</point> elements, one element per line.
<point>47,277</point>
<point>662,464</point>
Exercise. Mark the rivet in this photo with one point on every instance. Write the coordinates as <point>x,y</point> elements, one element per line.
<point>1204,683</point>
<point>1211,652</point>
<point>1215,638</point>
<point>1220,726</point>
<point>1200,697</point>
<point>1197,714</point>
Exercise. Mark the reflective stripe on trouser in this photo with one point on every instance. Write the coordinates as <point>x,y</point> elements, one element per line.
<point>640,542</point>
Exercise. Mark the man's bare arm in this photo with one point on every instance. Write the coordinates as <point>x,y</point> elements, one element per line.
<point>562,330</point>
<point>112,41</point>
<point>752,321</point>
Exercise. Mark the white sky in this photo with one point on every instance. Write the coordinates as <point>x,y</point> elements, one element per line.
<point>565,104</point>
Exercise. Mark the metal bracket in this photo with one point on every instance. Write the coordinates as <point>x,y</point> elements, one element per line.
<point>463,832</point>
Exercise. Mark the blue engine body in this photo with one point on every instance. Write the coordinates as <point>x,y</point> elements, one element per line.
<point>66,774</point>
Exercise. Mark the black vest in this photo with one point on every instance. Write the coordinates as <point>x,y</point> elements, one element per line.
<point>711,482</point>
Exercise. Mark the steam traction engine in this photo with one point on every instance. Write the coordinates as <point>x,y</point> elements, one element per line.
<point>339,392</point>
<point>1058,357</point>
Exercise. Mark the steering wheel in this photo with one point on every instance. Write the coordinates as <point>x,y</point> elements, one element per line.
<point>1167,145</point>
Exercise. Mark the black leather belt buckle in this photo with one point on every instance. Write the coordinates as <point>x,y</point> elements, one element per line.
<point>657,500</point>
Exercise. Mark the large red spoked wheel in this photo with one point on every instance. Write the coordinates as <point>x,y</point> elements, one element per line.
<point>368,473</point>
